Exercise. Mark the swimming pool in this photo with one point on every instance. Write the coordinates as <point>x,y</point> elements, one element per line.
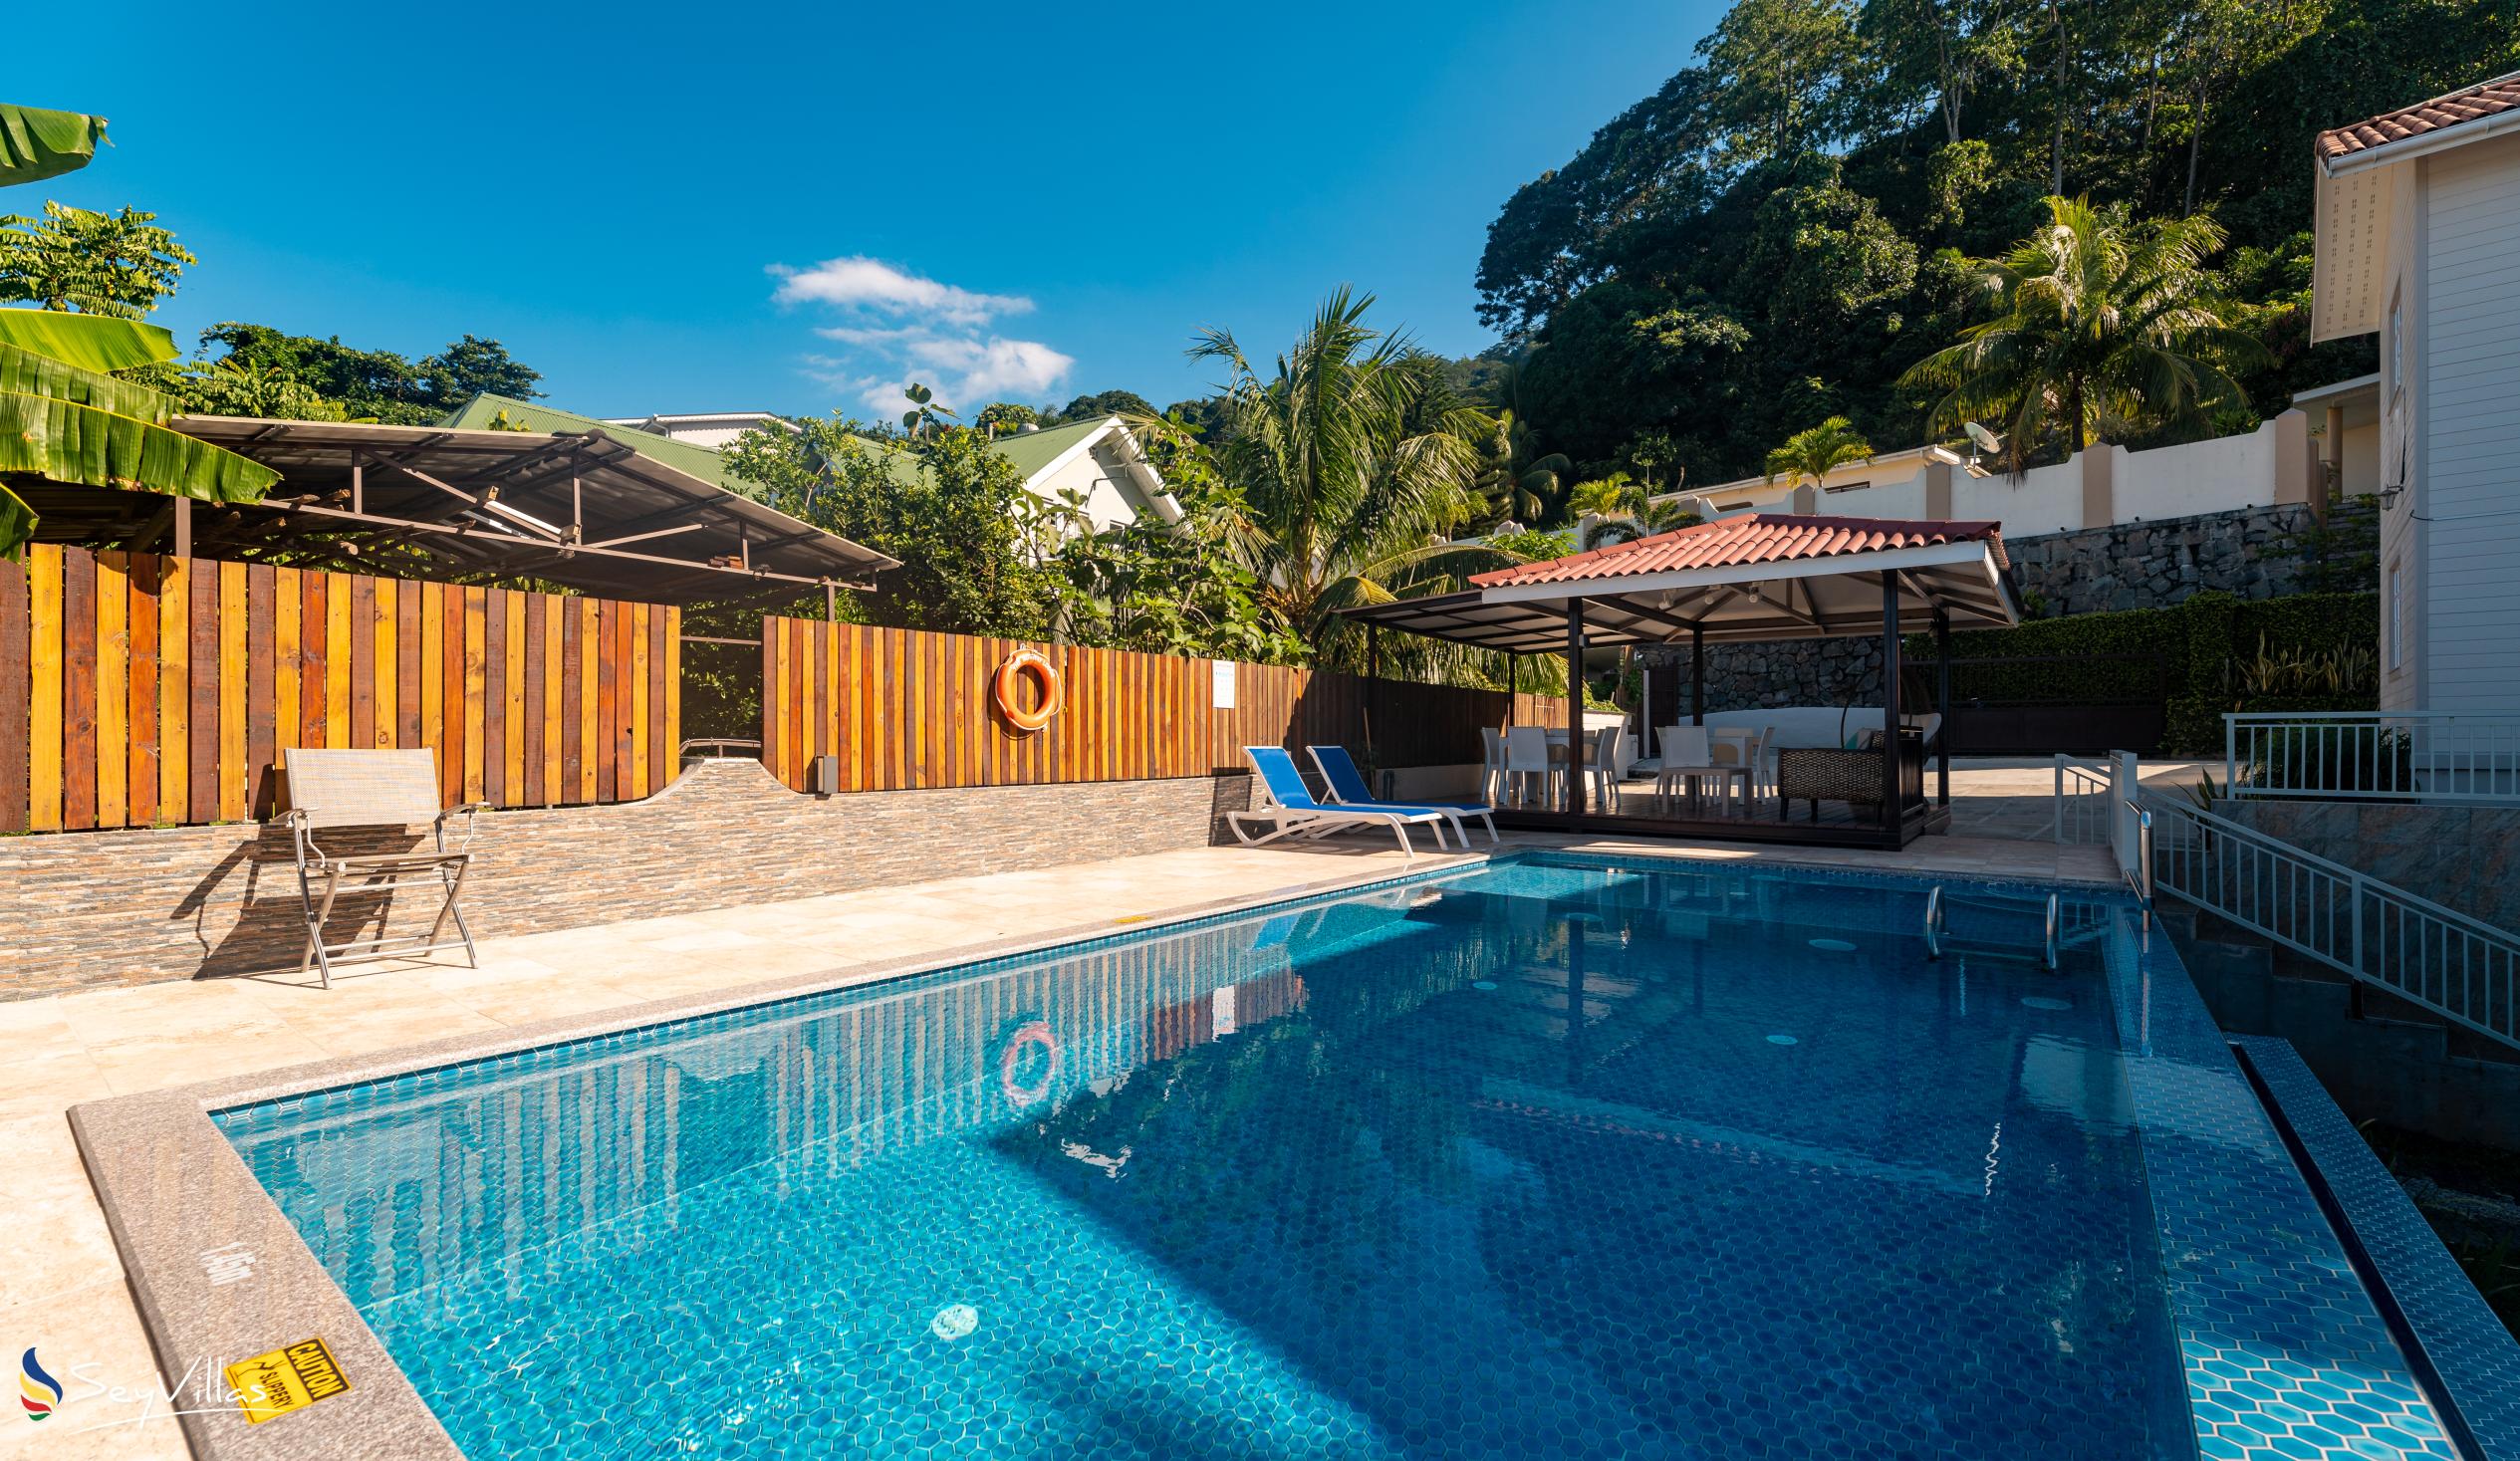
<point>1557,1156</point>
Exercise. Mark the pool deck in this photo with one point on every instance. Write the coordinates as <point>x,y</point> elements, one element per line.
<point>65,1292</point>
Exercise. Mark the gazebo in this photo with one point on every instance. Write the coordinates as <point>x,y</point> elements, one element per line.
<point>1744,580</point>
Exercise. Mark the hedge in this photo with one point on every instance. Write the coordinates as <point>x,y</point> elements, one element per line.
<point>2194,639</point>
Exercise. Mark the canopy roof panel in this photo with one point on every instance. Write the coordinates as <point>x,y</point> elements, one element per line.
<point>577,508</point>
<point>1765,576</point>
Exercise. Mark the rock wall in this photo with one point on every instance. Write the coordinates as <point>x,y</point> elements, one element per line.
<point>2251,554</point>
<point>81,910</point>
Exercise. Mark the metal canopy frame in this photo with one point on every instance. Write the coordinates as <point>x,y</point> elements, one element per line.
<point>581,509</point>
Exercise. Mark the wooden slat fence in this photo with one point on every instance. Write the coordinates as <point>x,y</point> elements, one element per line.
<point>138,691</point>
<point>903,709</point>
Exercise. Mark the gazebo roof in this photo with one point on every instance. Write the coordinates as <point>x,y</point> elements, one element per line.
<point>1767,575</point>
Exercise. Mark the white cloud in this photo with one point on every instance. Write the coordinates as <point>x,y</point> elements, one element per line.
<point>902,327</point>
<point>863,283</point>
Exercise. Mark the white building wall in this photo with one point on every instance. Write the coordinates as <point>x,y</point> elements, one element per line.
<point>1903,497</point>
<point>2042,500</point>
<point>2401,573</point>
<point>1090,475</point>
<point>2221,475</point>
<point>2470,427</point>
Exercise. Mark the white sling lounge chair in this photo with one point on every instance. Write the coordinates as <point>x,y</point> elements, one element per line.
<point>383,788</point>
<point>1288,806</point>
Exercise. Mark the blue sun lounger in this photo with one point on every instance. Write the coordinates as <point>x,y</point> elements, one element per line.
<point>1289,808</point>
<point>1348,789</point>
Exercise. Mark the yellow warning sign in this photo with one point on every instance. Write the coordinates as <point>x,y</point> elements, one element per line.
<point>274,1384</point>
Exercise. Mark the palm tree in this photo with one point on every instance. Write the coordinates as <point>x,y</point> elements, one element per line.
<point>1604,497</point>
<point>1647,520</point>
<point>1356,464</point>
<point>1518,482</point>
<point>2098,325</point>
<point>1817,451</point>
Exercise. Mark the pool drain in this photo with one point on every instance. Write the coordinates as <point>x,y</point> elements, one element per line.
<point>1782,1040</point>
<point>954,1321</point>
<point>1833,945</point>
<point>1482,984</point>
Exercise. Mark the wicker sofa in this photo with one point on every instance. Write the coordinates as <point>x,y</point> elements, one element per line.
<point>1834,773</point>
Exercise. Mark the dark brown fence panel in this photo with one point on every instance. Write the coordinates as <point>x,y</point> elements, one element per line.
<point>140,690</point>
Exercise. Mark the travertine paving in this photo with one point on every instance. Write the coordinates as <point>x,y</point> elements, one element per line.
<point>63,1290</point>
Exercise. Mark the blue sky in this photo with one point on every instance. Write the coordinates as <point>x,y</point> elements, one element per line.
<point>696,209</point>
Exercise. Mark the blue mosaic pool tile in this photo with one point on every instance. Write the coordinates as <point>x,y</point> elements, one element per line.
<point>2286,1353</point>
<point>2476,1357</point>
<point>1555,1157</point>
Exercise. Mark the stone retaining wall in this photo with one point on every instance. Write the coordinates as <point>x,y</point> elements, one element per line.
<point>2249,554</point>
<point>2464,857</point>
<point>92,909</point>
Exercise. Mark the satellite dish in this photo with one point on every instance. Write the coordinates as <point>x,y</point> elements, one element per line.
<point>1982,438</point>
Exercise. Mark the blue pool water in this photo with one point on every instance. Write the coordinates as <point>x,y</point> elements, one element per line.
<point>1552,1158</point>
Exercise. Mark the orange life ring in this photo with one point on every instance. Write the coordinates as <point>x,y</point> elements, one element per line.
<point>1019,1093</point>
<point>1009,692</point>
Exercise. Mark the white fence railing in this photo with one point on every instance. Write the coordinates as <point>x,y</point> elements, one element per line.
<point>2082,800</point>
<point>2374,755</point>
<point>2463,969</point>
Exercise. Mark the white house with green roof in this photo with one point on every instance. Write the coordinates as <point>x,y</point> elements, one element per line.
<point>1099,462</point>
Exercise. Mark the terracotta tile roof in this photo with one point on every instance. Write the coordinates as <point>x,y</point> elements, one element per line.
<point>2485,98</point>
<point>1731,542</point>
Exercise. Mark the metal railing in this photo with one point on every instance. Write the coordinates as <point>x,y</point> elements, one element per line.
<point>2463,969</point>
<point>2082,800</point>
<point>2373,755</point>
<point>2138,874</point>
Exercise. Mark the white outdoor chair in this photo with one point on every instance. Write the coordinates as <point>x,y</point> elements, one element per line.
<point>330,790</point>
<point>1526,757</point>
<point>1687,757</point>
<point>1747,750</point>
<point>1491,765</point>
<point>1604,764</point>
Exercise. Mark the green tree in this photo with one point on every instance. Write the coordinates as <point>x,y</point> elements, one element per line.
<point>1105,404</point>
<point>2100,325</point>
<point>1816,451</point>
<point>1793,73</point>
<point>65,415</point>
<point>119,263</point>
<point>1181,588</point>
<point>969,535</point>
<point>1005,417</point>
<point>1356,465</point>
<point>472,366</point>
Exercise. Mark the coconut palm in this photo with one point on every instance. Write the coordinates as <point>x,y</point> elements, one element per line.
<point>2100,325</point>
<point>1817,451</point>
<point>1645,520</point>
<point>1518,482</point>
<point>1356,464</point>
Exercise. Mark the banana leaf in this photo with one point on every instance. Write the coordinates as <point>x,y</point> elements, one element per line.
<point>69,443</point>
<point>31,373</point>
<point>98,342</point>
<point>17,526</point>
<point>36,144</point>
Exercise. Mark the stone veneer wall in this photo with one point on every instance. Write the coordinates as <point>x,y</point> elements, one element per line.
<point>90,909</point>
<point>2248,554</point>
<point>2464,858</point>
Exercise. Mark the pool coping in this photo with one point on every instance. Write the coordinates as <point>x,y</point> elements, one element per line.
<point>2460,1348</point>
<point>218,1272</point>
